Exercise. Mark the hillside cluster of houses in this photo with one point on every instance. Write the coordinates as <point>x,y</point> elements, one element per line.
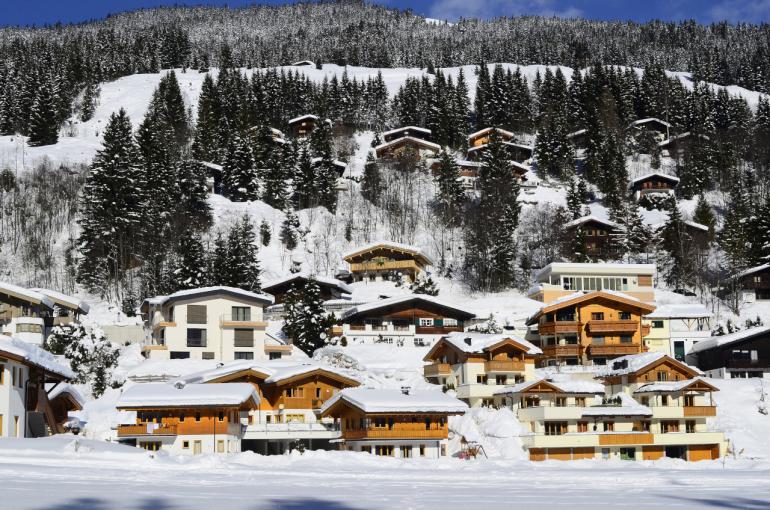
<point>598,371</point>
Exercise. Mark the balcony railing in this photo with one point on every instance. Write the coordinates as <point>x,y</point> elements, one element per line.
<point>435,369</point>
<point>293,427</point>
<point>147,429</point>
<point>504,366</point>
<point>384,266</point>
<point>619,326</point>
<point>561,350</point>
<point>230,321</point>
<point>615,349</point>
<point>694,411</point>
<point>623,439</point>
<point>376,433</point>
<point>164,324</point>
<point>551,328</point>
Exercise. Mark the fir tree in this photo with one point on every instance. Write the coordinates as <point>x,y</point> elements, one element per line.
<point>677,264</point>
<point>190,272</point>
<point>265,233</point>
<point>219,270</point>
<point>424,285</point>
<point>305,320</point>
<point>90,98</point>
<point>239,179</point>
<point>450,197</point>
<point>242,258</point>
<point>704,215</point>
<point>371,184</point>
<point>288,235</point>
<point>205,146</point>
<point>44,125</point>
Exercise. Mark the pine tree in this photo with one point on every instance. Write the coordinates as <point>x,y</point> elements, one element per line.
<point>239,179</point>
<point>44,125</point>
<point>190,272</point>
<point>242,256</point>
<point>704,215</point>
<point>288,235</point>
<point>265,233</point>
<point>676,263</point>
<point>450,197</point>
<point>305,320</point>
<point>371,184</point>
<point>305,192</point>
<point>574,201</point>
<point>424,285</point>
<point>219,270</point>
<point>206,147</point>
<point>90,98</point>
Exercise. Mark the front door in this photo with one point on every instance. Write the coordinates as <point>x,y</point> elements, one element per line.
<point>197,447</point>
<point>679,350</point>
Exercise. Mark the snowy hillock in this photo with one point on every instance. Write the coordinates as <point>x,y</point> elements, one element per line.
<point>496,430</point>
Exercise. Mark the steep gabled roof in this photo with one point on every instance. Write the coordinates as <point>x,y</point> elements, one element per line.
<point>649,120</point>
<point>64,300</point>
<point>304,277</point>
<point>589,218</point>
<point>580,297</point>
<point>486,130</point>
<point>659,175</point>
<point>270,371</point>
<point>415,251</point>
<point>301,118</point>
<point>563,386</point>
<point>407,298</point>
<point>752,270</point>
<point>418,141</point>
<point>406,128</point>
<point>688,311</point>
<point>698,384</point>
<point>28,295</point>
<point>477,343</point>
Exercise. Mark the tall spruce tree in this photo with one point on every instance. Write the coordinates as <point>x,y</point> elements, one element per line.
<point>371,184</point>
<point>450,197</point>
<point>44,124</point>
<point>190,271</point>
<point>242,256</point>
<point>306,321</point>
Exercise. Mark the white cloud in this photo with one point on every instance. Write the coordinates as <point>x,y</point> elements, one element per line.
<point>752,11</point>
<point>454,9</point>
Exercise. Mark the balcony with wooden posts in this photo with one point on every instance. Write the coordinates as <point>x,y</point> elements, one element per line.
<point>503,366</point>
<point>164,324</point>
<point>384,265</point>
<point>395,433</point>
<point>620,349</point>
<point>561,350</point>
<point>554,327</point>
<point>230,321</point>
<point>437,330</point>
<point>436,369</point>
<point>618,326</point>
<point>625,439</point>
<point>146,429</point>
<point>699,411</point>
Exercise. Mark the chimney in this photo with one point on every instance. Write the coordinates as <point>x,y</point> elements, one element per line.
<point>180,385</point>
<point>405,390</point>
<point>468,341</point>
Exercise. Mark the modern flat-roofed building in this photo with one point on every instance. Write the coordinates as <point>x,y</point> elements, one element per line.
<point>559,279</point>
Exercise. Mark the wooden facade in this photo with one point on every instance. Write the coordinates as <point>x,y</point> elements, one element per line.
<point>594,327</point>
<point>597,235</point>
<point>655,183</point>
<point>407,131</point>
<point>415,313</point>
<point>756,281</point>
<point>301,127</point>
<point>380,260</point>
<point>407,147</point>
<point>745,357</point>
<point>280,289</point>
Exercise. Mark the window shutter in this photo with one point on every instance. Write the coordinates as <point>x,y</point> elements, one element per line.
<point>196,314</point>
<point>244,337</point>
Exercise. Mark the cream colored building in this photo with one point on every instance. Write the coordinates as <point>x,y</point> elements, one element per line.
<point>643,407</point>
<point>560,279</point>
<point>675,329</point>
<point>217,323</point>
<point>478,364</point>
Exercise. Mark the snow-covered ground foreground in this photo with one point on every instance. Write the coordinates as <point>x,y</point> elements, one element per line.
<point>53,474</point>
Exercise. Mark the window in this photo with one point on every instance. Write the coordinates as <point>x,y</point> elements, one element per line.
<point>366,448</point>
<point>295,392</point>
<point>609,426</point>
<point>179,355</point>
<point>501,380</point>
<point>185,444</point>
<point>641,426</point>
<point>150,446</point>
<point>628,454</point>
<point>207,355</point>
<point>450,322</point>
<point>196,314</point>
<point>426,323</point>
<point>597,316</point>
<point>664,400</point>
<point>657,324</point>
<point>318,393</point>
<point>427,423</point>
<point>597,340</point>
<point>624,316</point>
<point>221,416</point>
<point>668,426</point>
<point>241,313</point>
<point>29,328</point>
<point>561,402</point>
<point>13,376</point>
<point>197,416</point>
<point>17,426</point>
<point>275,355</point>
<point>580,401</point>
<point>196,337</point>
<point>443,450</point>
<point>626,339</point>
<point>243,337</point>
<point>646,401</point>
<point>689,426</point>
<point>422,450</point>
<point>383,450</point>
<point>406,451</point>
<point>243,355</point>
<point>582,426</point>
<point>21,378</point>
<point>481,379</point>
<point>689,400</point>
<point>662,376</point>
<point>555,428</point>
<point>220,446</point>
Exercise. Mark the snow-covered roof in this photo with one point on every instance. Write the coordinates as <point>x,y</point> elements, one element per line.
<point>720,341</point>
<point>688,311</point>
<point>33,355</point>
<point>699,226</point>
<point>54,390</point>
<point>276,371</point>
<point>648,120</point>
<point>25,294</point>
<point>655,174</point>
<point>590,217</point>
<point>336,162</point>
<point>565,385</point>
<point>752,270</point>
<point>484,131</point>
<point>584,295</point>
<point>324,280</point>
<point>210,291</point>
<point>418,141</point>
<point>577,133</point>
<point>370,400</point>
<point>211,166</point>
<point>383,303</point>
<point>521,166</point>
<point>65,300</point>
<point>187,395</point>
<point>671,387</point>
<point>510,144</point>
<point>407,128</point>
<point>628,407</point>
<point>303,117</point>
<point>632,363</point>
<point>304,63</point>
<point>470,342</point>
<point>416,250</point>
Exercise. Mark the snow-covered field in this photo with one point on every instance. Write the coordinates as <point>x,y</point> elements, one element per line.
<point>58,473</point>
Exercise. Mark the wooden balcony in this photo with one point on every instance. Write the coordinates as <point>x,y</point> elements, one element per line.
<point>396,433</point>
<point>613,326</point>
<point>164,324</point>
<point>695,411</point>
<point>392,265</point>
<point>504,366</point>
<point>552,328</point>
<point>615,349</point>
<point>625,439</point>
<point>228,321</point>
<point>437,330</point>
<point>561,350</point>
<point>435,369</point>
<point>143,430</point>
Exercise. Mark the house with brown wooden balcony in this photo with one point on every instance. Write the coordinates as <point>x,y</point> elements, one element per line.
<point>411,131</point>
<point>475,365</point>
<point>655,182</point>
<point>590,328</point>
<point>302,126</point>
<point>641,407</point>
<point>217,323</point>
<point>755,283</point>
<point>291,395</point>
<point>186,419</point>
<point>403,321</point>
<point>386,260</point>
<point>741,354</point>
<point>402,423</point>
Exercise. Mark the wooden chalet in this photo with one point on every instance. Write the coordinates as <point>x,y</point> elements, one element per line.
<point>63,399</point>
<point>590,327</point>
<point>469,171</point>
<point>737,355</point>
<point>596,231</point>
<point>678,144</point>
<point>302,126</point>
<point>382,260</point>
<point>394,423</point>
<point>407,147</point>
<point>518,152</point>
<point>655,125</point>
<point>330,288</point>
<point>579,138</point>
<point>406,131</point>
<point>755,283</point>
<point>339,166</point>
<point>655,182</point>
<point>481,137</point>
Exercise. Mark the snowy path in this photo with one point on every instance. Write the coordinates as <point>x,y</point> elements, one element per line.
<point>126,479</point>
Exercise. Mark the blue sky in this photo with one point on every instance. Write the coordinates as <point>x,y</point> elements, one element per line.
<point>25,12</point>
